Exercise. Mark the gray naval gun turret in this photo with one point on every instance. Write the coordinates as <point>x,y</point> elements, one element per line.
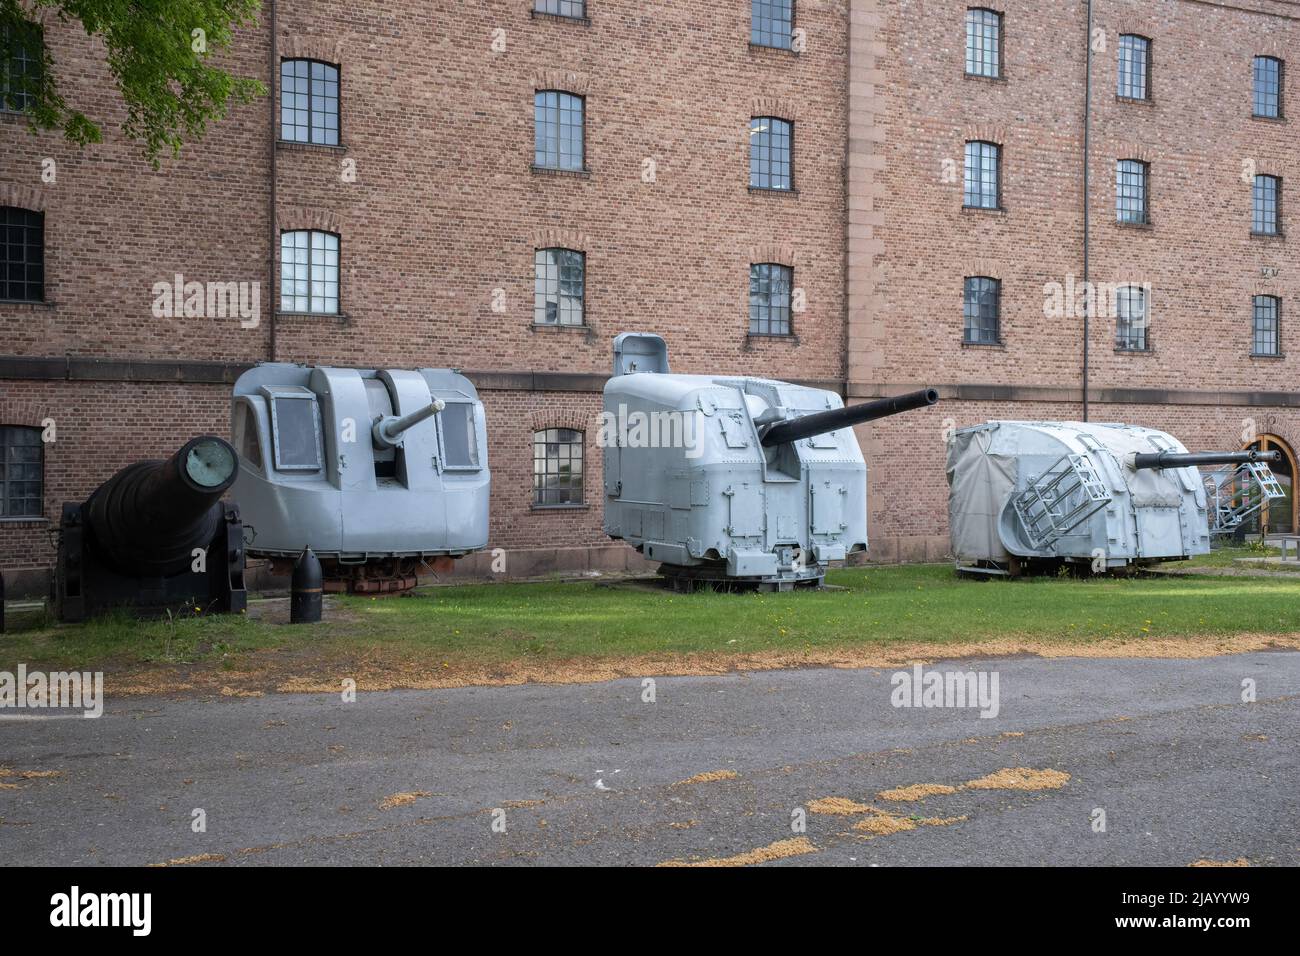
<point>733,480</point>
<point>1035,496</point>
<point>378,472</point>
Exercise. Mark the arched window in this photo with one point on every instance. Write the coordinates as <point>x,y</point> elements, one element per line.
<point>1268,74</point>
<point>558,131</point>
<point>1266,202</point>
<point>983,42</point>
<point>22,464</point>
<point>982,311</point>
<point>559,287</point>
<point>1132,318</point>
<point>557,467</point>
<point>771,153</point>
<point>309,102</point>
<point>1131,192</point>
<point>1266,338</point>
<point>309,272</point>
<point>983,179</point>
<point>1134,67</point>
<point>22,254</point>
<point>770,285</point>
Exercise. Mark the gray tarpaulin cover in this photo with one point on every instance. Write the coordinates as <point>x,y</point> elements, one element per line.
<point>981,479</point>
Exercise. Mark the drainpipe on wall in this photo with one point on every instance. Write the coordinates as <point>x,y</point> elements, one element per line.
<point>272,290</point>
<point>1087,221</point>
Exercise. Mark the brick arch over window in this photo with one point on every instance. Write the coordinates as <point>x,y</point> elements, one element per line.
<point>774,106</point>
<point>986,133</point>
<point>299,217</point>
<point>22,197</point>
<point>777,253</point>
<point>559,238</point>
<point>298,47</point>
<point>565,81</point>
<point>1129,150</point>
<point>542,419</point>
<point>986,268</point>
<point>1129,25</point>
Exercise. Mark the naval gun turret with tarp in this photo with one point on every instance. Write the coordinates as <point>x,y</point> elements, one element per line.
<point>1033,496</point>
<point>733,479</point>
<point>380,473</point>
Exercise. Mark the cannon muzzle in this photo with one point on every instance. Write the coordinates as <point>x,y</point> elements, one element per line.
<point>388,431</point>
<point>1169,459</point>
<point>805,426</point>
<point>147,520</point>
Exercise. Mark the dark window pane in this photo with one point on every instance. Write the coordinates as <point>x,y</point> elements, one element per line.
<point>562,8</point>
<point>1132,318</point>
<point>21,472</point>
<point>297,442</point>
<point>309,102</point>
<point>22,255</point>
<point>1267,325</point>
<point>1267,202</point>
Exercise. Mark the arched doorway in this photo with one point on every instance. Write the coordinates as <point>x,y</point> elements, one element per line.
<point>1277,517</point>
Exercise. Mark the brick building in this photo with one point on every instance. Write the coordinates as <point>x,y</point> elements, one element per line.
<point>867,195</point>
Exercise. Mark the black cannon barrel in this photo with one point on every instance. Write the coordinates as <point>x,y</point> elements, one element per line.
<point>1169,459</point>
<point>805,426</point>
<point>147,519</point>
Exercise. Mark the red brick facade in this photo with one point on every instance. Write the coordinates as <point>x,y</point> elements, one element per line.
<point>439,214</point>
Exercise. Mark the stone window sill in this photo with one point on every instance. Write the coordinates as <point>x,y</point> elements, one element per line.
<point>560,18</point>
<point>998,345</point>
<point>20,522</point>
<point>294,146</point>
<point>761,48</point>
<point>1268,356</point>
<point>770,191</point>
<point>583,173</point>
<point>537,507</point>
<point>558,327</point>
<point>1267,235</point>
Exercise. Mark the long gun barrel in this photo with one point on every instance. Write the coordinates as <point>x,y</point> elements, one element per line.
<point>1169,459</point>
<point>388,431</point>
<point>148,518</point>
<point>806,426</point>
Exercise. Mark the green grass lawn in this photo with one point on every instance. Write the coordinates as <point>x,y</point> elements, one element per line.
<point>1229,558</point>
<point>487,624</point>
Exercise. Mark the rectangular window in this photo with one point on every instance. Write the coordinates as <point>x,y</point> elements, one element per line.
<point>22,466</point>
<point>559,287</point>
<point>771,153</point>
<point>1131,319</point>
<point>1134,67</point>
<point>983,176</point>
<point>21,69</point>
<point>772,23</point>
<point>22,254</point>
<point>769,298</point>
<point>557,467</point>
<point>1131,192</point>
<point>295,430</point>
<point>1267,206</point>
<point>982,308</point>
<point>983,42</point>
<point>309,102</point>
<point>558,131</point>
<point>573,9</point>
<point>1267,340</point>
<point>1268,87</point>
<point>309,272</point>
<point>459,438</point>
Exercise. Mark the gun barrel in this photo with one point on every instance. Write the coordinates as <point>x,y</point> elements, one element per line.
<point>1168,459</point>
<point>148,518</point>
<point>806,426</point>
<point>389,430</point>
